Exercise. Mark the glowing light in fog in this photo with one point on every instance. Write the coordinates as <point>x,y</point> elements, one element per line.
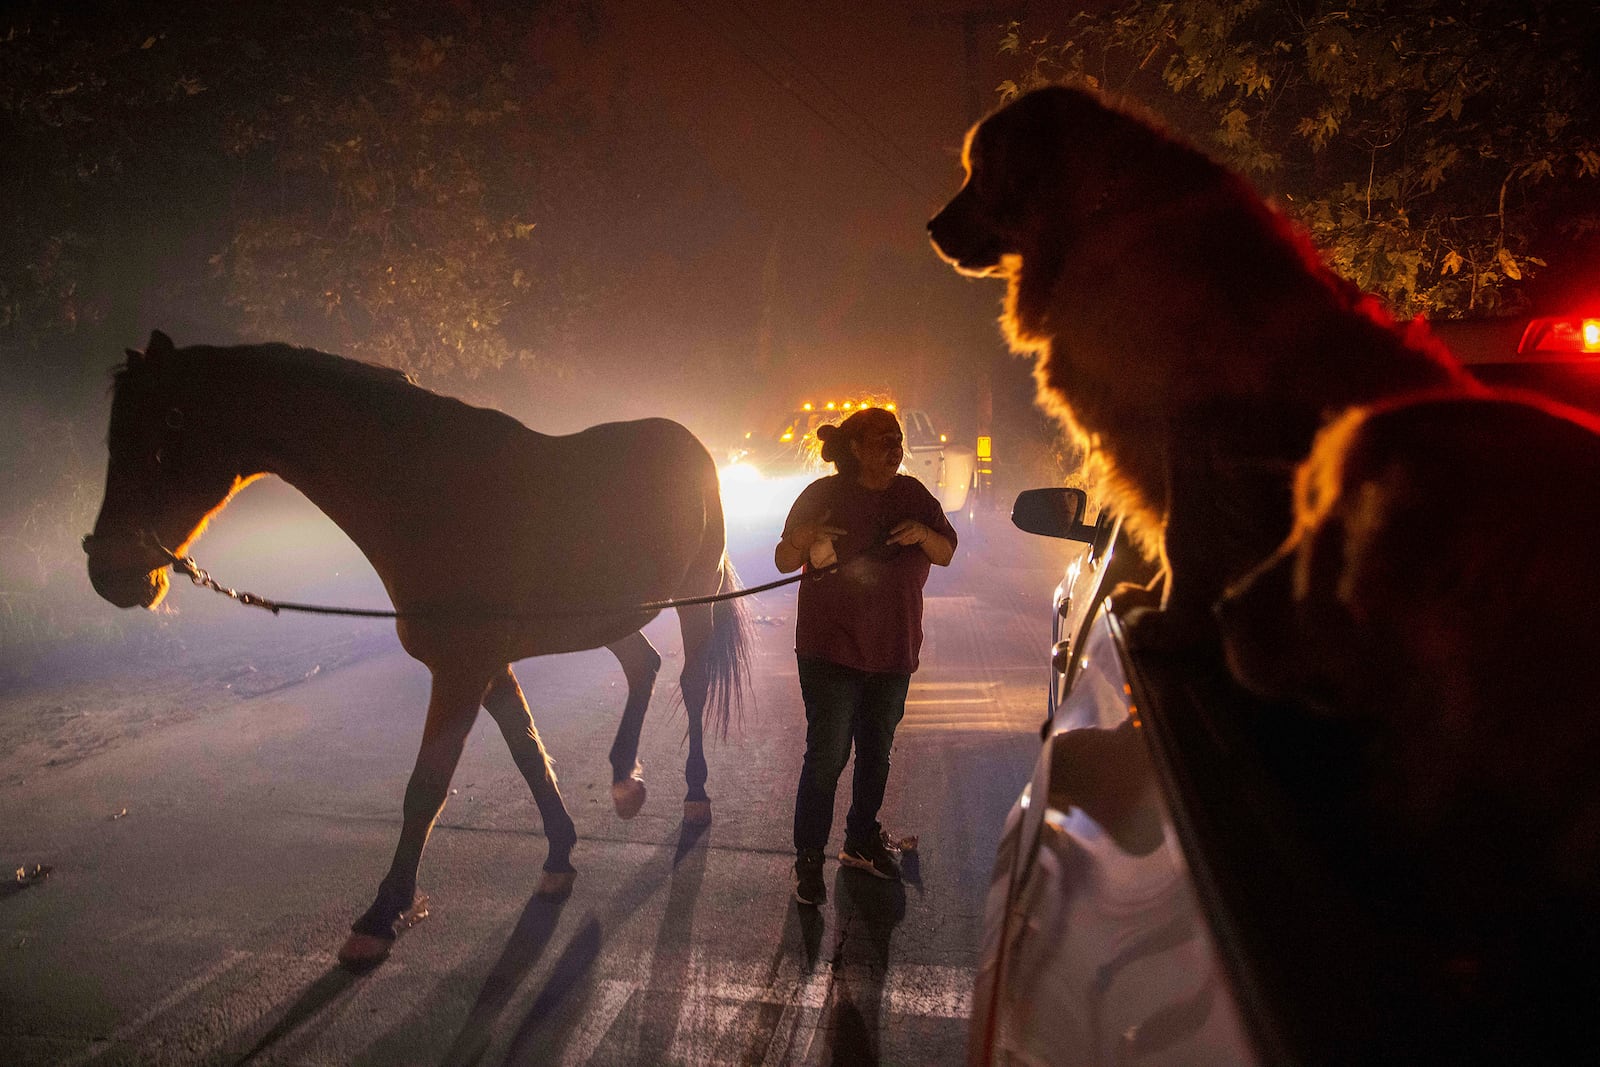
<point>750,497</point>
<point>739,473</point>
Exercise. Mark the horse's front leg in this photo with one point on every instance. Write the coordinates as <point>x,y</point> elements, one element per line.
<point>640,663</point>
<point>452,707</point>
<point>510,711</point>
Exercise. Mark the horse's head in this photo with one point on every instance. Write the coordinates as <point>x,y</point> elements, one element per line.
<point>165,477</point>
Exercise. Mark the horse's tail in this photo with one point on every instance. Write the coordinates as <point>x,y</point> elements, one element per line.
<point>727,655</point>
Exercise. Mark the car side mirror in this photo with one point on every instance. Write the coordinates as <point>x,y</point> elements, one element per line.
<point>1054,512</point>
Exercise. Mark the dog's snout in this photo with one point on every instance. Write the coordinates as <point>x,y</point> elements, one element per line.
<point>1256,617</point>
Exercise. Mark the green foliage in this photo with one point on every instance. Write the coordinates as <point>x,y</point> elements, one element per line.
<point>351,177</point>
<point>1436,150</point>
<point>413,228</point>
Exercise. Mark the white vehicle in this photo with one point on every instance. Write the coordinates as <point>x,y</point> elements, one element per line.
<point>1096,947</point>
<point>944,468</point>
<point>764,474</point>
<point>1171,889</point>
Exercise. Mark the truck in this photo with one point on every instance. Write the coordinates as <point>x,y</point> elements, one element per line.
<point>764,472</point>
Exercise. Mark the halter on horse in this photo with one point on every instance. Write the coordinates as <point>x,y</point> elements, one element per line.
<point>488,536</point>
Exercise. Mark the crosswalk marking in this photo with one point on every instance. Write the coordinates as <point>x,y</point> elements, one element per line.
<point>603,1009</point>
<point>717,991</point>
<point>184,992</point>
<point>991,706</point>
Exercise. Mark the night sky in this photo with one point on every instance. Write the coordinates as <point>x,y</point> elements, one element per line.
<point>780,229</point>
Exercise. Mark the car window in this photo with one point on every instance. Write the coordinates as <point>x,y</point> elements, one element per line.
<point>919,430</point>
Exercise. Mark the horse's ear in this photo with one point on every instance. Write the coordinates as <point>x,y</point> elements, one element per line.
<point>159,345</point>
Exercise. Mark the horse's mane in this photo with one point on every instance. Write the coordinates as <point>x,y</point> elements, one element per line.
<point>310,360</point>
<point>301,361</point>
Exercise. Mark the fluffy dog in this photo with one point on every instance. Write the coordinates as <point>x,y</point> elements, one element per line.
<point>1185,334</point>
<point>1439,587</point>
<point>1436,601</point>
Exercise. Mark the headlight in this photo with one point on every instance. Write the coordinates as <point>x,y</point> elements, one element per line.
<point>750,495</point>
<point>737,473</point>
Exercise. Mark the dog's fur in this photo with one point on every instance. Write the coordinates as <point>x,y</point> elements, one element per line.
<point>1436,598</point>
<point>1185,334</point>
<point>1440,582</point>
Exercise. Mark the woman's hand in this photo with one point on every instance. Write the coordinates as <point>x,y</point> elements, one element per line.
<point>934,545</point>
<point>910,532</point>
<point>803,536</point>
<point>794,547</point>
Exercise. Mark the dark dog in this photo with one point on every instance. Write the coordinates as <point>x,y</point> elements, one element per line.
<point>1440,586</point>
<point>1186,335</point>
<point>1436,600</point>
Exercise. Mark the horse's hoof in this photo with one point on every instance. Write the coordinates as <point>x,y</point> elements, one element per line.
<point>628,795</point>
<point>697,812</point>
<point>556,885</point>
<point>412,915</point>
<point>362,952</point>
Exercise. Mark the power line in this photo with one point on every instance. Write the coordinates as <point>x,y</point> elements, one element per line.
<point>840,100</point>
<point>863,146</point>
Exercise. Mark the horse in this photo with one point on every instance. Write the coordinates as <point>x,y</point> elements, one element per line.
<point>494,542</point>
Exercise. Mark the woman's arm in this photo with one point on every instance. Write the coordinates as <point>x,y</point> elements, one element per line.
<point>938,549</point>
<point>786,557</point>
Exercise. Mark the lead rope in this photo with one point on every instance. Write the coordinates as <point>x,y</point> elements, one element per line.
<point>199,576</point>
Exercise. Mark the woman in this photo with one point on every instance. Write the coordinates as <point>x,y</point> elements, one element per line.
<point>858,632</point>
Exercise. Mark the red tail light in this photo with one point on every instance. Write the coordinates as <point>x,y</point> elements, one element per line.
<point>1562,334</point>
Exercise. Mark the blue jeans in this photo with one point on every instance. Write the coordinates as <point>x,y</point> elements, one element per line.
<point>844,705</point>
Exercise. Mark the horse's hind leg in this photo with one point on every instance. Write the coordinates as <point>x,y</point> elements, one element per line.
<point>695,622</point>
<point>452,707</point>
<point>505,702</point>
<point>640,663</point>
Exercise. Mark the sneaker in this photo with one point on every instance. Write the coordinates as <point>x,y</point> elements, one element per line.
<point>808,885</point>
<point>873,857</point>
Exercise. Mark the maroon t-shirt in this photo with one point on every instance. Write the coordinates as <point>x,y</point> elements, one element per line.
<point>868,613</point>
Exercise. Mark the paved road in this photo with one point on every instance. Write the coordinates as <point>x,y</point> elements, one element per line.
<point>200,926</point>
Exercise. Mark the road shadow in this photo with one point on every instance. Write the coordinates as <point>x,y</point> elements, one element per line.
<point>911,869</point>
<point>670,979</point>
<point>526,945</point>
<point>866,911</point>
<point>572,974</point>
<point>850,1018</point>
<point>317,998</point>
<point>788,1034</point>
<point>808,924</point>
<point>27,877</point>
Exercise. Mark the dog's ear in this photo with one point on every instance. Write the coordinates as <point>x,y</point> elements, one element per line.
<point>1031,142</point>
<point>1063,151</point>
<point>1256,617</point>
<point>1296,625</point>
<point>1288,631</point>
<point>159,345</point>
